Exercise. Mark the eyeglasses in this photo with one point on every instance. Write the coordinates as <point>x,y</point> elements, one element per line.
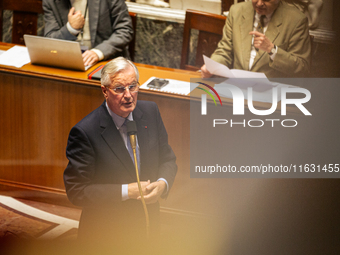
<point>133,88</point>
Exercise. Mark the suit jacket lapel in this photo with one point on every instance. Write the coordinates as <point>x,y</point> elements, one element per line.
<point>93,6</point>
<point>114,140</point>
<point>274,25</point>
<point>272,32</point>
<point>245,28</point>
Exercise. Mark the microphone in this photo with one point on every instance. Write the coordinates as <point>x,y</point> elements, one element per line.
<point>132,131</point>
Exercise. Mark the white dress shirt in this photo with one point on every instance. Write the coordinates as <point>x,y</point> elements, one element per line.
<point>253,51</point>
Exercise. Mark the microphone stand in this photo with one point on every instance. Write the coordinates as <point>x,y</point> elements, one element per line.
<point>132,130</point>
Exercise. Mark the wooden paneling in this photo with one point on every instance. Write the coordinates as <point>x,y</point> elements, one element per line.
<point>225,5</point>
<point>34,6</point>
<point>37,116</point>
<point>25,17</point>
<point>208,37</point>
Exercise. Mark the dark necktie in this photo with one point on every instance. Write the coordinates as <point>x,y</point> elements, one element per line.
<point>130,148</point>
<point>260,26</point>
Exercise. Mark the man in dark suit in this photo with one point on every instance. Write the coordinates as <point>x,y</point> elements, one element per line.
<point>100,176</point>
<point>266,36</point>
<point>106,30</point>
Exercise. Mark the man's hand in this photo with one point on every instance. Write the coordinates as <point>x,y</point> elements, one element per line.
<point>90,57</point>
<point>205,73</point>
<point>153,192</point>
<point>133,191</point>
<point>261,41</point>
<point>76,19</point>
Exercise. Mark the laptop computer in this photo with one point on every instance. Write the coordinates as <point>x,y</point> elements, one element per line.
<point>55,52</point>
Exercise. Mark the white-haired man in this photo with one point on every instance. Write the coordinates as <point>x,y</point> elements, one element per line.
<point>100,176</point>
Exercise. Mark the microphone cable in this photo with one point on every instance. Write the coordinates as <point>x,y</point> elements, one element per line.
<point>132,130</point>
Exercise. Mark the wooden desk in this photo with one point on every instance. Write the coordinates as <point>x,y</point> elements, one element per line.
<point>39,105</point>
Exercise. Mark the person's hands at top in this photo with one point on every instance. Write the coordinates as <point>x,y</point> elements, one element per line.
<point>153,192</point>
<point>133,191</point>
<point>90,57</point>
<point>76,19</point>
<point>205,73</point>
<point>261,41</point>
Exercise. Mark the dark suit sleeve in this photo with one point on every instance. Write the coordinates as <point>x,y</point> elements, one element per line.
<point>79,174</point>
<point>121,27</point>
<point>167,158</point>
<point>54,27</point>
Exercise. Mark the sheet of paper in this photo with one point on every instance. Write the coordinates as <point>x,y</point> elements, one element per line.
<point>222,70</point>
<point>247,74</point>
<point>174,86</point>
<point>259,96</point>
<point>216,68</point>
<point>16,56</point>
<point>240,78</point>
<point>258,84</point>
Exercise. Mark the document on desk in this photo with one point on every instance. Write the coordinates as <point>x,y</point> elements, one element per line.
<point>16,56</point>
<point>174,86</point>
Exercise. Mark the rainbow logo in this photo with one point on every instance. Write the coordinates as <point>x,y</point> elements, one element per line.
<point>208,92</point>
